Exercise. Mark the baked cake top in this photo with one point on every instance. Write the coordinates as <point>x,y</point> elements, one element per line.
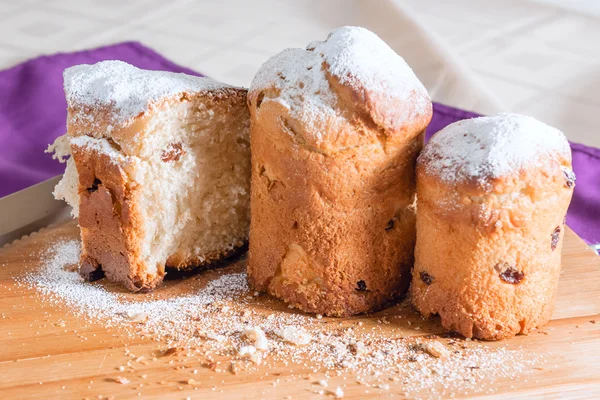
<point>492,147</point>
<point>359,60</point>
<point>126,90</point>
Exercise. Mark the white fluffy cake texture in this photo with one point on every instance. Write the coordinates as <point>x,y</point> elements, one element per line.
<point>160,169</point>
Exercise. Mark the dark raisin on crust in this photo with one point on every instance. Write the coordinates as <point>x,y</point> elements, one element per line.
<point>509,274</point>
<point>390,225</point>
<point>173,152</point>
<point>555,238</point>
<point>425,277</point>
<point>569,178</point>
<point>91,272</point>
<point>94,186</point>
<point>361,286</point>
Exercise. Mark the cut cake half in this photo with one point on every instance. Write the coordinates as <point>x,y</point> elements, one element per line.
<point>159,173</point>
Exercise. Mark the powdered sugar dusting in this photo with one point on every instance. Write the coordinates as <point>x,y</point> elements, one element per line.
<point>304,89</point>
<point>127,89</point>
<point>485,147</point>
<point>225,319</point>
<point>98,144</point>
<point>354,55</point>
<point>359,58</point>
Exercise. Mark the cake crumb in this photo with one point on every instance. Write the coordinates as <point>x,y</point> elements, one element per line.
<point>213,336</point>
<point>435,348</point>
<point>258,336</point>
<point>172,351</point>
<point>256,358</point>
<point>293,335</point>
<point>247,350</point>
<point>139,317</point>
<point>235,368</point>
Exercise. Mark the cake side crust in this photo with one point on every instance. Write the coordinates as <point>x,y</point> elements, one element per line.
<point>323,244</point>
<point>110,221</point>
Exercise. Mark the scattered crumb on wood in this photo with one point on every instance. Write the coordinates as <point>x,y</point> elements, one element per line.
<point>435,349</point>
<point>122,380</point>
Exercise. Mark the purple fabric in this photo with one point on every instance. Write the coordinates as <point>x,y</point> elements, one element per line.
<point>33,109</point>
<point>33,114</point>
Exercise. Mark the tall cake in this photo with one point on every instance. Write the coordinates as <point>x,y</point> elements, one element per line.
<point>335,132</point>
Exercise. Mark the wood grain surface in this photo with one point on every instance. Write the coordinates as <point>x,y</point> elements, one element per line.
<point>47,352</point>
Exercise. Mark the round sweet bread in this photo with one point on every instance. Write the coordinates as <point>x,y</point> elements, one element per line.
<point>335,133</point>
<point>492,197</point>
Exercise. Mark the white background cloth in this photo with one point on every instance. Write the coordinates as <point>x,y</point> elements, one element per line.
<point>487,56</point>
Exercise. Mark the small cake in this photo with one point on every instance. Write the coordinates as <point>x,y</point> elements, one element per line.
<point>159,173</point>
<point>335,133</point>
<point>492,197</point>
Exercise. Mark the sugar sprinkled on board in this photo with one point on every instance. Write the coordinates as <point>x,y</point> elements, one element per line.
<point>128,90</point>
<point>271,336</point>
<point>484,147</point>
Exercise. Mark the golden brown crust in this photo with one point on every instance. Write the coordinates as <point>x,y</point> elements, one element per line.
<point>361,124</point>
<point>110,221</point>
<point>332,226</point>
<point>488,258</point>
<point>374,114</point>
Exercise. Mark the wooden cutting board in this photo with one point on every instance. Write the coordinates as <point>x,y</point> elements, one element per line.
<point>40,358</point>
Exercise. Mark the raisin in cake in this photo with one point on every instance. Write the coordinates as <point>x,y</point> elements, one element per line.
<point>335,133</point>
<point>159,170</point>
<point>492,197</point>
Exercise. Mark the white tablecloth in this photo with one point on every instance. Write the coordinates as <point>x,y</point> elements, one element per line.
<point>500,55</point>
